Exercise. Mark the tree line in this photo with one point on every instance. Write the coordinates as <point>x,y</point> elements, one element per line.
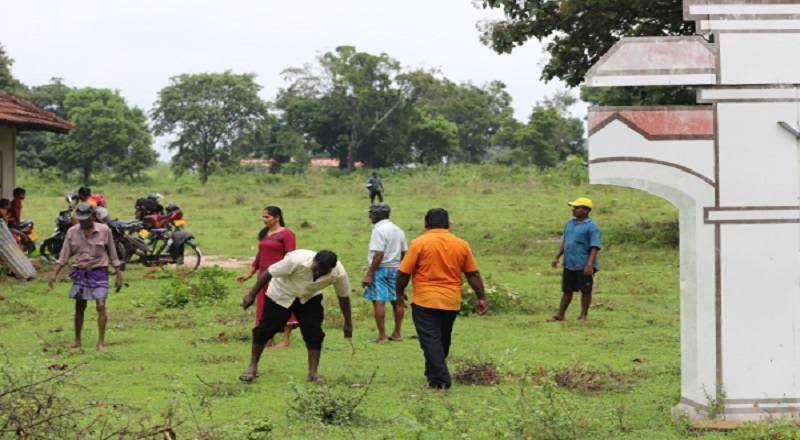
<point>353,106</point>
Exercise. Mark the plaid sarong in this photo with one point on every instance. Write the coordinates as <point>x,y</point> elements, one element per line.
<point>89,284</point>
<point>383,283</point>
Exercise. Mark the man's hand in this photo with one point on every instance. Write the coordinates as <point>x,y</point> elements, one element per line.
<point>51,280</point>
<point>588,270</point>
<point>367,281</point>
<point>555,263</point>
<point>243,278</point>
<point>118,283</point>
<point>247,300</point>
<point>401,300</point>
<point>481,306</point>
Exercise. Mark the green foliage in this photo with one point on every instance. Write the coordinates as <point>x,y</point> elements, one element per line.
<point>579,32</point>
<point>574,171</point>
<point>501,298</point>
<point>207,113</point>
<point>258,429</point>
<point>107,134</point>
<point>9,84</point>
<point>199,288</point>
<point>327,404</point>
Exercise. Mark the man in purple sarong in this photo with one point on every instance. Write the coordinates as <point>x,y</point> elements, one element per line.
<point>92,245</point>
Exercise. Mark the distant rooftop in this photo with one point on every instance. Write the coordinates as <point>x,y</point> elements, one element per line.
<point>27,117</point>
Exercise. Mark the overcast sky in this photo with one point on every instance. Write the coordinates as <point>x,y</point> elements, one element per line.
<point>135,46</point>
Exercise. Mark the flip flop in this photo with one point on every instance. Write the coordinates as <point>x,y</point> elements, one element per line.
<point>554,319</point>
<point>396,339</point>
<point>378,341</point>
<point>248,376</point>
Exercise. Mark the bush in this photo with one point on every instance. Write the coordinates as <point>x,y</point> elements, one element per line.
<point>200,288</point>
<point>500,297</point>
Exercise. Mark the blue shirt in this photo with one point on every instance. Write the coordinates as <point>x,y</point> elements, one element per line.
<point>579,239</point>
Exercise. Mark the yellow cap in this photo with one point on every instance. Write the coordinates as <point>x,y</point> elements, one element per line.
<point>582,201</point>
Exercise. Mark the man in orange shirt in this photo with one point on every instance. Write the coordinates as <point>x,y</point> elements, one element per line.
<point>435,262</point>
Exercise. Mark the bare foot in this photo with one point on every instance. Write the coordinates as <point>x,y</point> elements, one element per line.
<point>555,318</point>
<point>76,344</point>
<point>101,348</point>
<point>316,377</point>
<point>270,343</point>
<point>280,346</point>
<point>582,319</point>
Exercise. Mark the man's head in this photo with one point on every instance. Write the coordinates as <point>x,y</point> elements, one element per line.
<point>84,192</point>
<point>374,174</point>
<point>378,212</point>
<point>581,207</point>
<point>84,212</point>
<point>437,218</point>
<point>323,264</point>
<point>19,193</point>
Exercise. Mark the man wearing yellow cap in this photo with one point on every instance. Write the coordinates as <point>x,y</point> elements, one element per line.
<point>579,246</point>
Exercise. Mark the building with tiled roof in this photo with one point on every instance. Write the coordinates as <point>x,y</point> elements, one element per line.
<point>17,116</point>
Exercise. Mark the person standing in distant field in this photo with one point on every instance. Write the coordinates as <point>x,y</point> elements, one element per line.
<point>275,240</point>
<point>434,262</point>
<point>295,285</point>
<point>579,246</point>
<point>375,188</point>
<point>93,247</point>
<point>387,246</point>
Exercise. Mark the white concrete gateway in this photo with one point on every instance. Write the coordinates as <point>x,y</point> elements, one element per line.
<point>732,168</point>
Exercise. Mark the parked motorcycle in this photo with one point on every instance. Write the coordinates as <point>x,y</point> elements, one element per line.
<point>161,248</point>
<point>51,247</point>
<point>25,236</point>
<point>154,216</point>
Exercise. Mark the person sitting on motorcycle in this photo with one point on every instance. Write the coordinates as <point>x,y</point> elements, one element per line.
<point>101,216</point>
<point>4,204</point>
<point>85,194</point>
<point>15,210</point>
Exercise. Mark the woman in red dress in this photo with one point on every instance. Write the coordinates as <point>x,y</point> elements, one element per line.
<point>274,242</point>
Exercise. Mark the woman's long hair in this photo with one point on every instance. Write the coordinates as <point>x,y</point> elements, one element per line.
<point>275,212</point>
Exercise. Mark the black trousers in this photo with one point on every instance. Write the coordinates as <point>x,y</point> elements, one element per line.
<point>309,315</point>
<point>372,195</point>
<point>434,327</point>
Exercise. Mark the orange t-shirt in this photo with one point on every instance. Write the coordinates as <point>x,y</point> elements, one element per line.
<point>436,261</point>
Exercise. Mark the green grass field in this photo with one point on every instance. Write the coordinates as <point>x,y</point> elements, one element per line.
<point>617,376</point>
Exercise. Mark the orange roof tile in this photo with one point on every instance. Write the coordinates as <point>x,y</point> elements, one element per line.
<point>27,117</point>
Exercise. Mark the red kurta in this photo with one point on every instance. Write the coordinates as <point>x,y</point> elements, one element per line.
<point>272,249</point>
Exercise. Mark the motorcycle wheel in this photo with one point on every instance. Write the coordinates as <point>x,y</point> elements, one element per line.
<point>189,249</point>
<point>50,249</point>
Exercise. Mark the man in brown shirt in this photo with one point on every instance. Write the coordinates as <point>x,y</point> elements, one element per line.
<point>92,245</point>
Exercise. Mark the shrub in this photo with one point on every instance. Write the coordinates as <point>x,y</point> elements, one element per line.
<point>501,298</point>
<point>326,405</point>
<point>478,372</point>
<point>200,288</point>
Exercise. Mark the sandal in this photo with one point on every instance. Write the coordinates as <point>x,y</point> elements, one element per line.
<point>395,339</point>
<point>554,319</point>
<point>248,376</point>
<point>380,341</point>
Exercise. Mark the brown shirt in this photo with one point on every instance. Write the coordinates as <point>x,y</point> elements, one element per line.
<point>91,253</point>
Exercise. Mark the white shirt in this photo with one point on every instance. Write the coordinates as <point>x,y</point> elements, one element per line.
<point>390,239</point>
<point>292,278</point>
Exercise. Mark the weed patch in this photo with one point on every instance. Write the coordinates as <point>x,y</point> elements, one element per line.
<point>327,404</point>
<point>200,288</point>
<point>581,377</point>
<point>478,372</point>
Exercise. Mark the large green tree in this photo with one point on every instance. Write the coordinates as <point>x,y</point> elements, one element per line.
<point>357,95</point>
<point>576,33</point>
<point>8,84</point>
<point>108,135</point>
<point>207,113</point>
<point>34,148</point>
